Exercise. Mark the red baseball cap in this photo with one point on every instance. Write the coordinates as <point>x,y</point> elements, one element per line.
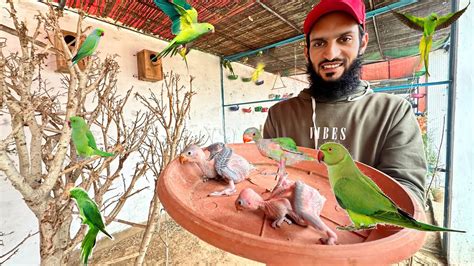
<point>355,8</point>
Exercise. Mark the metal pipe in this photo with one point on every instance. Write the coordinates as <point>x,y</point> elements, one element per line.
<point>450,129</point>
<point>222,100</point>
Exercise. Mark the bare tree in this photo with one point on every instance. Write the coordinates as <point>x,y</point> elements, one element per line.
<point>170,109</point>
<point>34,156</point>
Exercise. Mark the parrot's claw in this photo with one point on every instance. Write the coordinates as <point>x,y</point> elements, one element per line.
<point>327,241</point>
<point>225,192</point>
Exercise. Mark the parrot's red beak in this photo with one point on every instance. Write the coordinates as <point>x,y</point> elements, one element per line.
<point>320,156</point>
<point>246,139</point>
<point>183,159</point>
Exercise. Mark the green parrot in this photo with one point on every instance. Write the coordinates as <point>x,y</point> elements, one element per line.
<point>428,25</point>
<point>89,45</point>
<point>83,138</point>
<point>258,71</point>
<point>185,25</point>
<point>283,150</point>
<point>228,65</point>
<point>364,201</point>
<point>90,215</point>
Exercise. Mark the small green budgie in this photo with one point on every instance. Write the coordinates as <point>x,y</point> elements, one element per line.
<point>428,25</point>
<point>89,45</point>
<point>83,138</point>
<point>185,26</point>
<point>364,201</point>
<point>90,215</point>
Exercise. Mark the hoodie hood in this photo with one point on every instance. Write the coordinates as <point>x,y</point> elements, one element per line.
<point>361,90</point>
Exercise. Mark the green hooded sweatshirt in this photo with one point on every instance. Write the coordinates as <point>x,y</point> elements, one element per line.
<point>378,129</point>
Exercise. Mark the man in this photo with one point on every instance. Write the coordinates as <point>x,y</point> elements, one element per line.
<point>378,129</point>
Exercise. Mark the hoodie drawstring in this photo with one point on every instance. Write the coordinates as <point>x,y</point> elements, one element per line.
<point>312,133</point>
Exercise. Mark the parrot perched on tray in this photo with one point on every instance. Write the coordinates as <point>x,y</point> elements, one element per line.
<point>428,25</point>
<point>83,139</point>
<point>364,201</point>
<point>90,215</point>
<point>282,150</point>
<point>185,26</point>
<point>89,46</point>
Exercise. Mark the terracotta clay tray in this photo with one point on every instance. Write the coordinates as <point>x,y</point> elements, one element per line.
<point>249,234</point>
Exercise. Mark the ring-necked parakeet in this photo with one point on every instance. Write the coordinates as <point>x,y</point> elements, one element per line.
<point>282,150</point>
<point>185,25</point>
<point>90,215</point>
<point>364,201</point>
<point>258,71</point>
<point>428,25</point>
<point>89,45</point>
<point>83,138</point>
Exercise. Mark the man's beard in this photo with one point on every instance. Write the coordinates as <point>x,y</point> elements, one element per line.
<point>324,90</point>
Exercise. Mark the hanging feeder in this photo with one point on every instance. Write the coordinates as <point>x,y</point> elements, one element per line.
<point>249,234</point>
<point>234,108</point>
<point>247,110</point>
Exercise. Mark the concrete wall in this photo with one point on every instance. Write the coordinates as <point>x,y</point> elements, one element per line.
<point>461,246</point>
<point>205,116</point>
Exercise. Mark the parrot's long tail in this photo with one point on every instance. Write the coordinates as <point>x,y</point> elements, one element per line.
<point>88,244</point>
<point>425,47</point>
<point>103,153</point>
<point>168,49</point>
<point>404,219</point>
<point>106,233</point>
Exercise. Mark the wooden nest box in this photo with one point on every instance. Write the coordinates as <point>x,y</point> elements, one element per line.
<point>61,63</point>
<point>148,69</point>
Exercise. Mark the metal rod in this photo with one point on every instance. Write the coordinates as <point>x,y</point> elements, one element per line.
<point>406,86</point>
<point>263,101</point>
<point>279,16</point>
<point>390,88</point>
<point>450,129</point>
<point>222,100</point>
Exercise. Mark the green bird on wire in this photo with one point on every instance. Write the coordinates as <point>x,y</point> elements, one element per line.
<point>89,46</point>
<point>364,201</point>
<point>428,25</point>
<point>90,215</point>
<point>185,26</point>
<point>83,139</point>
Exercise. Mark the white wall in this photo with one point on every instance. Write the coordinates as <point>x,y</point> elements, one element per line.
<point>461,246</point>
<point>205,116</point>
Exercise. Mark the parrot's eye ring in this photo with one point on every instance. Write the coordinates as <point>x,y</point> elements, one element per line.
<point>253,134</point>
<point>240,202</point>
<point>330,149</point>
<point>189,153</point>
